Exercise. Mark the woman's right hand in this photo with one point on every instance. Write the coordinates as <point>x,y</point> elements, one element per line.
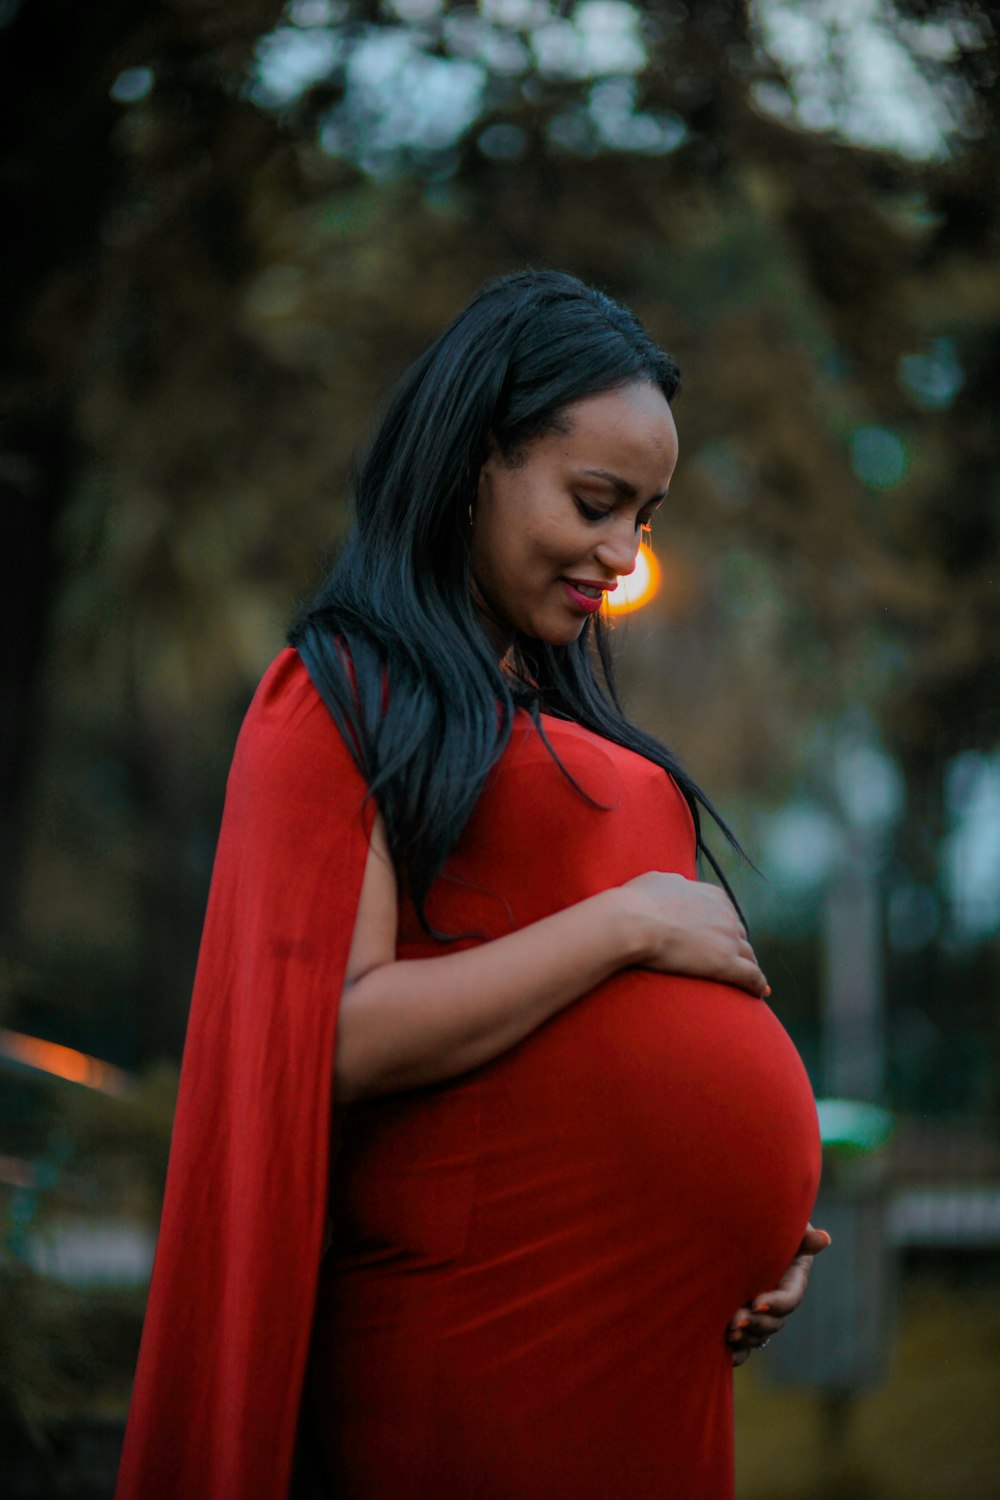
<point>693,928</point>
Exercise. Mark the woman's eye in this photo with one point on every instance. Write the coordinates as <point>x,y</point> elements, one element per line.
<point>589,512</point>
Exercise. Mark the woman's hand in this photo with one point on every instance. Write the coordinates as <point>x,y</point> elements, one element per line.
<point>693,928</point>
<point>752,1326</point>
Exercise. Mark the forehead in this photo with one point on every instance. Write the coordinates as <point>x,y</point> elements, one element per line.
<point>632,427</point>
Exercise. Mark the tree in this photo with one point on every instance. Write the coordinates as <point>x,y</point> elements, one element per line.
<point>239,258</point>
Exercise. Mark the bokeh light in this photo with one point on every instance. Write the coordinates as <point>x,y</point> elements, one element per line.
<point>638,588</point>
<point>62,1062</point>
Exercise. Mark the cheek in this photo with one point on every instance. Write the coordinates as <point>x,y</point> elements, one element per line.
<point>524,537</point>
<point>544,554</point>
<point>517,547</point>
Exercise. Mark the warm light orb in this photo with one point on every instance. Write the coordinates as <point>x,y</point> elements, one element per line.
<point>638,588</point>
<point>63,1062</point>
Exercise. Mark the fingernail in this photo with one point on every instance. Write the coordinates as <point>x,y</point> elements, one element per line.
<point>735,1335</point>
<point>762,1307</point>
<point>767,991</point>
<point>743,1323</point>
<point>829,1241</point>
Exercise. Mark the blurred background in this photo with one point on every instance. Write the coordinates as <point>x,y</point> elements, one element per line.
<point>229,227</point>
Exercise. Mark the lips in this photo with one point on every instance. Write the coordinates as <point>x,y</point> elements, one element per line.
<point>585,594</point>
<point>589,586</point>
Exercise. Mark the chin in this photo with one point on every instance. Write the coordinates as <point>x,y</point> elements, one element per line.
<point>557,635</point>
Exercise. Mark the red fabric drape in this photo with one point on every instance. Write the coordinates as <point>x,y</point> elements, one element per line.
<point>218,1385</point>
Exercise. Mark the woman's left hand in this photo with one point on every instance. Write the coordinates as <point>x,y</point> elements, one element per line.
<point>752,1326</point>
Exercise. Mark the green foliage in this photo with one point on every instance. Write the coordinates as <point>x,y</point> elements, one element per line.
<point>67,1349</point>
<point>243,282</point>
<point>62,1353</point>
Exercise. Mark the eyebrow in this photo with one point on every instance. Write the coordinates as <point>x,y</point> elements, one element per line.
<point>626,489</point>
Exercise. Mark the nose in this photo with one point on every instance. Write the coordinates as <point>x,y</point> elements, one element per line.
<point>619,548</point>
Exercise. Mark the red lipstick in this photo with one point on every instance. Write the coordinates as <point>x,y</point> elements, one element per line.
<point>581,600</point>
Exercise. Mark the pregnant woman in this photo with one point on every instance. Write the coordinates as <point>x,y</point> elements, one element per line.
<point>456,926</point>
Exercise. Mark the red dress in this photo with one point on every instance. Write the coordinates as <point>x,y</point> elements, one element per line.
<point>534,1265</point>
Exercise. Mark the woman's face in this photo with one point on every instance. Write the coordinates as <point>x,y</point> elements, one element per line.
<point>553,531</point>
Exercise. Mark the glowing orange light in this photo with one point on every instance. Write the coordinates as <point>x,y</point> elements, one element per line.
<point>638,588</point>
<point>63,1062</point>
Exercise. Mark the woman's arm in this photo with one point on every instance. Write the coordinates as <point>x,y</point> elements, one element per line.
<point>404,1023</point>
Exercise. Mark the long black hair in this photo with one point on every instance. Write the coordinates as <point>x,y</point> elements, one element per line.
<point>393,640</point>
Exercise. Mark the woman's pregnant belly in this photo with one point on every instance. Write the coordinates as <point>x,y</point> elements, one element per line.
<point>535,1265</point>
<point>667,1122</point>
<point>661,1128</point>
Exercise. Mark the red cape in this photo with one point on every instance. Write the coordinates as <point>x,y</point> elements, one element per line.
<point>217,1390</point>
